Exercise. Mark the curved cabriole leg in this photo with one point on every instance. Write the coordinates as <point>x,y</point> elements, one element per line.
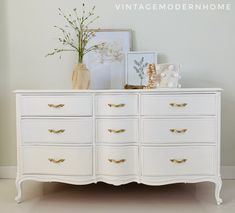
<point>18,188</point>
<point>218,186</point>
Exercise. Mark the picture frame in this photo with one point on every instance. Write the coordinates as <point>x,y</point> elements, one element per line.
<point>107,65</point>
<point>136,67</point>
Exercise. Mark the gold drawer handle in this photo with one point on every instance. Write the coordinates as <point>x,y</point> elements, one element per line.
<point>56,106</point>
<point>178,105</point>
<point>117,161</point>
<point>56,131</point>
<point>116,131</point>
<point>116,105</point>
<point>52,160</point>
<point>178,161</point>
<point>178,130</point>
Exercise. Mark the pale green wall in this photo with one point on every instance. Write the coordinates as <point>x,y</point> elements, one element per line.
<point>7,142</point>
<point>202,41</point>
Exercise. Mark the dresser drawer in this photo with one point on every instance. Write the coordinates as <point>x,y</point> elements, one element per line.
<point>193,104</point>
<point>56,105</point>
<point>117,130</point>
<point>178,130</point>
<point>164,161</point>
<point>57,160</point>
<point>117,105</point>
<point>69,130</point>
<point>117,160</point>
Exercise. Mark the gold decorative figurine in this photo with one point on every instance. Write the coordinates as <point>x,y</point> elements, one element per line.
<point>152,77</point>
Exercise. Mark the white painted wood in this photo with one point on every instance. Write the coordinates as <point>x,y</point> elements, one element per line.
<point>9,172</point>
<point>218,143</point>
<point>199,161</point>
<point>36,130</point>
<point>196,104</point>
<point>100,91</point>
<point>105,128</point>
<point>129,105</point>
<point>73,106</point>
<point>141,153</point>
<point>127,154</point>
<point>77,160</point>
<point>162,130</point>
<point>18,144</point>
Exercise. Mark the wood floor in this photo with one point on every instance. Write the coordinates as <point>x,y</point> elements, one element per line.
<point>103,198</point>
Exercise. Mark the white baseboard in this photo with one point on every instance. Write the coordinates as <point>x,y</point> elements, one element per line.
<point>8,172</point>
<point>227,172</point>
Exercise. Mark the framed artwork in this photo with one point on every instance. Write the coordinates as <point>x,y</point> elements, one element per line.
<point>169,75</point>
<point>107,64</point>
<point>136,67</point>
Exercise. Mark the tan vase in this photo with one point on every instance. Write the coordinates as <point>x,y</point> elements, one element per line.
<point>81,77</point>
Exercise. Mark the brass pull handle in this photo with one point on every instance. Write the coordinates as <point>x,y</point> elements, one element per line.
<point>56,131</point>
<point>52,160</point>
<point>116,131</point>
<point>178,161</point>
<point>117,161</point>
<point>178,105</point>
<point>56,106</point>
<point>178,130</point>
<point>116,105</point>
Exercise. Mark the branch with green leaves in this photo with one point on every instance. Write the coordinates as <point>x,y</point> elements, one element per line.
<point>79,25</point>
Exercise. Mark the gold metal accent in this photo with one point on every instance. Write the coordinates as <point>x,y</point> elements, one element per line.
<point>56,131</point>
<point>152,77</point>
<point>116,105</point>
<point>128,86</point>
<point>117,161</point>
<point>52,160</point>
<point>178,161</point>
<point>56,106</point>
<point>178,105</point>
<point>116,131</point>
<point>178,130</point>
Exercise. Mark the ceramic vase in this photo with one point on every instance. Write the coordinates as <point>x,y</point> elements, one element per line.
<point>81,77</point>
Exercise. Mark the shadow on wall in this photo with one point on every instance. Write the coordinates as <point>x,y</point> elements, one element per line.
<point>4,85</point>
<point>227,139</point>
<point>3,40</point>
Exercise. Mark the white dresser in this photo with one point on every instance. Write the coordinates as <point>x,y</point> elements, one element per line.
<point>154,137</point>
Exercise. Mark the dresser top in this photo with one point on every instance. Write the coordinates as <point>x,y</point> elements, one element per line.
<point>180,90</point>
